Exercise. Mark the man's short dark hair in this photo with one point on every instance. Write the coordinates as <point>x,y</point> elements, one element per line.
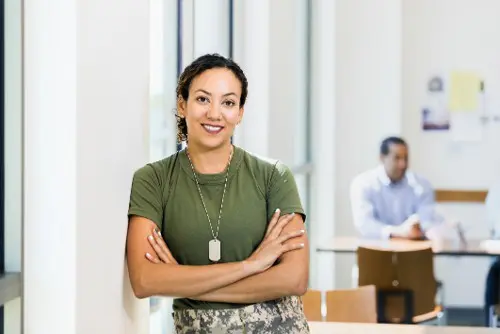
<point>387,142</point>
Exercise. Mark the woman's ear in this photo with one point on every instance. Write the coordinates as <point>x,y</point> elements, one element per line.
<point>240,115</point>
<point>181,107</point>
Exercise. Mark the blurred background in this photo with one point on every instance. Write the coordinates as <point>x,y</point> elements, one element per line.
<point>88,96</point>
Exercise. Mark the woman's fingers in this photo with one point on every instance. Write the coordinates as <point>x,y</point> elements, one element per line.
<point>291,247</point>
<point>152,258</point>
<point>158,250</point>
<point>274,220</point>
<point>290,235</point>
<point>161,248</point>
<point>163,245</point>
<point>278,228</point>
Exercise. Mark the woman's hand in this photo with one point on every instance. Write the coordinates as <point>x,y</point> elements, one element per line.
<point>273,245</point>
<point>163,254</point>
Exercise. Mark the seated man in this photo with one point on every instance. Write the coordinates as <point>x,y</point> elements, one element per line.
<point>492,291</point>
<point>391,202</point>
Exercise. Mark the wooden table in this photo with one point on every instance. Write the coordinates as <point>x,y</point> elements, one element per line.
<point>351,328</point>
<point>442,247</point>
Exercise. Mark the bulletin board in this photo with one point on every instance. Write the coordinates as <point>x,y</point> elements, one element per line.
<point>454,133</point>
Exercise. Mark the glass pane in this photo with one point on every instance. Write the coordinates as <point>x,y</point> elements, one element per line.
<point>12,131</point>
<point>163,77</point>
<point>11,154</point>
<point>289,75</point>
<point>2,145</point>
<point>162,134</point>
<point>160,317</point>
<point>12,316</point>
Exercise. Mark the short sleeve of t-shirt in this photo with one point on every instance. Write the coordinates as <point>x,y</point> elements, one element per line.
<point>146,195</point>
<point>282,192</point>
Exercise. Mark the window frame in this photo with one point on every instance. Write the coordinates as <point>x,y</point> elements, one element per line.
<point>2,165</point>
<point>10,282</point>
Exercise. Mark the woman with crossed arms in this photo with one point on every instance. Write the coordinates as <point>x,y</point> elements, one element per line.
<point>217,228</point>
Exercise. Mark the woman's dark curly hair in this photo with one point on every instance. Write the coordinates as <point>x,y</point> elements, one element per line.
<point>198,66</point>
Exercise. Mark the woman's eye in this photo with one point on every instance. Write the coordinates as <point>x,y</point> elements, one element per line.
<point>229,103</point>
<point>202,99</point>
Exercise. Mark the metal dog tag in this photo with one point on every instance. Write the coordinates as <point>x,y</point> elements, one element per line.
<point>214,250</point>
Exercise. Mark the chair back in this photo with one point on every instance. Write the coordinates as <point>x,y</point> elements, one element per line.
<point>312,305</point>
<point>352,305</point>
<point>405,281</point>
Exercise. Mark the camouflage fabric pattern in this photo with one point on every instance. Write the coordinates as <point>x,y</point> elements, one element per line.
<point>282,316</point>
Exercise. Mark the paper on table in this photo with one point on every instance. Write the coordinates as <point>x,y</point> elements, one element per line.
<point>490,245</point>
<point>464,92</point>
<point>466,127</point>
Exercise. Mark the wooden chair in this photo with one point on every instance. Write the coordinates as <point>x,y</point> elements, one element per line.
<point>405,282</point>
<point>352,305</point>
<point>312,305</point>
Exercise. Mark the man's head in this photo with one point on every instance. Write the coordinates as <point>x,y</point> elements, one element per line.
<point>394,157</point>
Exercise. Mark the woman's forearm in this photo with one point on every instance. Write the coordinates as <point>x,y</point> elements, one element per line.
<point>186,281</point>
<point>272,284</point>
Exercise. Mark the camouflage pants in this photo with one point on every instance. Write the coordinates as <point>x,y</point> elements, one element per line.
<point>282,316</point>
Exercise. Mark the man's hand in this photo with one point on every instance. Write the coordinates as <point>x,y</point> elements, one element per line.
<point>409,230</point>
<point>415,232</point>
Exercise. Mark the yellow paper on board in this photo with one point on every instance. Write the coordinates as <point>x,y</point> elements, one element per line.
<point>464,91</point>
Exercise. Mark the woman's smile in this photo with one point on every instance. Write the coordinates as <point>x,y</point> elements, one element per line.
<point>213,129</point>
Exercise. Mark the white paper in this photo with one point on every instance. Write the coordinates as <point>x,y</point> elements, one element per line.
<point>466,127</point>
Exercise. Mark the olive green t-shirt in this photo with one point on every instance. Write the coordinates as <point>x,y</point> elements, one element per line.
<point>166,193</point>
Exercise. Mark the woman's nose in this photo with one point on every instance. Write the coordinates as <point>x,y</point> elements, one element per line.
<point>214,112</point>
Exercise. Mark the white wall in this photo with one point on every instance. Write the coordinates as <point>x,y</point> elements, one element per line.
<point>440,36</point>
<point>86,100</point>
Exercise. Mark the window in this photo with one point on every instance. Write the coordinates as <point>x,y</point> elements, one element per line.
<point>164,34</point>
<point>289,90</point>
<point>2,174</point>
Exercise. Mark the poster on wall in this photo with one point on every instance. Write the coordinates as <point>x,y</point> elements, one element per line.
<point>435,114</point>
<point>466,105</point>
<point>455,102</point>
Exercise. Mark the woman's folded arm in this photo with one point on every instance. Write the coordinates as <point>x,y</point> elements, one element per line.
<point>173,280</point>
<point>288,278</point>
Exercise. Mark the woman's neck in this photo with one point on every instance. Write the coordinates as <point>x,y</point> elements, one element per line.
<point>210,161</point>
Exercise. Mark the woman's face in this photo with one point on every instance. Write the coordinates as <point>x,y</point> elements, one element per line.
<point>212,109</point>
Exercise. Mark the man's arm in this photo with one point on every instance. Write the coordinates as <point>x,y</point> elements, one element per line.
<point>289,277</point>
<point>426,208</point>
<point>363,213</point>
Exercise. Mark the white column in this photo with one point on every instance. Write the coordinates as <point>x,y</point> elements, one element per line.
<point>252,46</point>
<point>323,97</point>
<point>86,100</point>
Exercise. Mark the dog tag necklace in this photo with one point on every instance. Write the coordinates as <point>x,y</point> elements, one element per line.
<point>214,245</point>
